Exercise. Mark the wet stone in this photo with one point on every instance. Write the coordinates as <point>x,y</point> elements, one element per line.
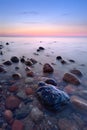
<point>28,63</point>
<point>71,79</point>
<point>47,68</point>
<point>65,124</point>
<point>17,125</point>
<point>7,63</point>
<point>59,58</point>
<point>12,102</point>
<point>72,61</point>
<point>16,76</point>
<point>2,69</point>
<point>52,98</point>
<point>13,88</point>
<point>76,72</point>
<point>8,115</point>
<point>29,80</point>
<point>22,95</point>
<point>15,59</point>
<point>30,74</point>
<point>51,81</point>
<point>36,114</point>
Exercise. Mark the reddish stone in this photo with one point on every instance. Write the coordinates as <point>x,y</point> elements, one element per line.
<point>29,91</point>
<point>30,74</point>
<point>16,76</point>
<point>12,102</point>
<point>65,124</point>
<point>69,89</point>
<point>17,125</point>
<point>47,68</point>
<point>13,88</point>
<point>71,79</point>
<point>8,115</point>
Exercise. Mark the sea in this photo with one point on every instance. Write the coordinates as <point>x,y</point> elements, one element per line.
<point>69,48</point>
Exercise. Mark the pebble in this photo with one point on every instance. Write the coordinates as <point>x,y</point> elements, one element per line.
<point>7,63</point>
<point>36,114</point>
<point>17,125</point>
<point>13,88</point>
<point>12,102</point>
<point>51,81</point>
<point>8,115</point>
<point>29,80</point>
<point>29,91</point>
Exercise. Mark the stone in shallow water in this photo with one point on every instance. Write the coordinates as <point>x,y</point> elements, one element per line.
<point>71,79</point>
<point>52,98</point>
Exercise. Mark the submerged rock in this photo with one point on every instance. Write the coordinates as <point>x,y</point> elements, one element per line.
<point>47,68</point>
<point>71,79</point>
<point>72,61</point>
<point>16,76</point>
<point>52,98</point>
<point>76,72</point>
<point>28,63</point>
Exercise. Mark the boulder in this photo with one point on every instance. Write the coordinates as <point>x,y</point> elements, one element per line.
<point>47,68</point>
<point>12,102</point>
<point>71,79</point>
<point>52,98</point>
<point>15,59</point>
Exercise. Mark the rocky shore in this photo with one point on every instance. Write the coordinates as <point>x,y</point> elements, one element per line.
<point>34,101</point>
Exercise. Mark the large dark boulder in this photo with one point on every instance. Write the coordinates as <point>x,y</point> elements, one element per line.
<point>51,97</point>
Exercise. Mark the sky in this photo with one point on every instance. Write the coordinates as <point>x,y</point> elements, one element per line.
<point>43,17</point>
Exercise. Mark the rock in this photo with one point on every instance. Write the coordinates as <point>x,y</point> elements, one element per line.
<point>47,68</point>
<point>29,80</point>
<point>23,111</point>
<point>8,115</point>
<point>76,72</point>
<point>36,114</point>
<point>21,94</point>
<point>27,68</point>
<point>63,62</point>
<point>71,79</point>
<point>51,81</point>
<point>7,43</point>
<point>16,76</point>
<point>52,98</point>
<point>33,61</point>
<point>69,89</point>
<point>17,125</point>
<point>41,83</point>
<point>13,88</point>
<point>28,63</point>
<point>2,69</point>
<point>30,74</point>
<point>16,68</point>
<point>79,103</point>
<point>65,124</point>
<point>41,48</point>
<point>15,59</point>
<point>12,102</point>
<point>22,60</point>
<point>29,91</point>
<point>1,46</point>
<point>59,58</point>
<point>1,53</point>
<point>7,63</point>
<point>71,61</point>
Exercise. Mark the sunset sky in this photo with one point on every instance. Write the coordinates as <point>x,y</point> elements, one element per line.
<point>43,17</point>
